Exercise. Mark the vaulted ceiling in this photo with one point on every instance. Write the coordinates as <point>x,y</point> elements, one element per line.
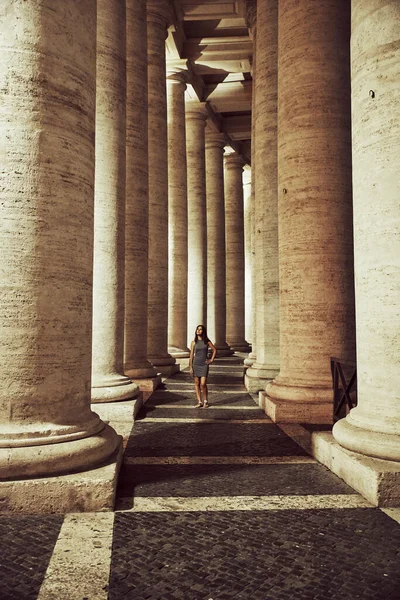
<point>212,40</point>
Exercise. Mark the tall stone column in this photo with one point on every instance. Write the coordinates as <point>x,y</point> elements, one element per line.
<point>177,211</point>
<point>108,381</point>
<point>373,427</point>
<point>234,232</point>
<point>137,199</point>
<point>196,115</point>
<point>315,207</point>
<point>47,125</point>
<point>158,18</point>
<point>266,262</point>
<point>248,262</point>
<point>216,271</point>
<point>251,17</point>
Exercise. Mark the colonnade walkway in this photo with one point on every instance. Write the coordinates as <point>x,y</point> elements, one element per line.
<point>212,504</point>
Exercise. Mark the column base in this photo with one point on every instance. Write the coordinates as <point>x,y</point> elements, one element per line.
<point>250,360</point>
<point>178,352</point>
<point>125,410</point>
<point>114,390</point>
<point>375,479</point>
<point>140,370</point>
<point>291,411</point>
<point>224,350</point>
<point>377,444</point>
<point>239,345</point>
<point>257,377</point>
<point>89,491</point>
<point>147,386</point>
<point>165,365</point>
<point>57,458</point>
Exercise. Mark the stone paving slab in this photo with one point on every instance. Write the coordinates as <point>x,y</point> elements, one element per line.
<point>270,555</point>
<point>218,439</point>
<point>209,413</point>
<point>26,546</point>
<point>228,480</point>
<point>188,398</point>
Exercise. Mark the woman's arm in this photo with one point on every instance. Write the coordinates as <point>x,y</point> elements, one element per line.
<point>191,356</point>
<point>214,352</point>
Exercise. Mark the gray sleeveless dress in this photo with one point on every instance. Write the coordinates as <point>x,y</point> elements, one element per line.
<point>200,368</point>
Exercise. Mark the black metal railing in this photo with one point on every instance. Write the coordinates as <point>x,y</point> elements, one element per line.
<point>344,378</point>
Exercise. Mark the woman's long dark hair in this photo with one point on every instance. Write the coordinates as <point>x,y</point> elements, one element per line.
<point>204,336</point>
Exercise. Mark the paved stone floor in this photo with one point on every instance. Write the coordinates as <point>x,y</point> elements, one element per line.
<point>212,504</point>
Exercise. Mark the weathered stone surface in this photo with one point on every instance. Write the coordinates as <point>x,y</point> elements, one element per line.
<point>314,199</point>
<point>137,194</point>
<point>196,115</point>
<point>373,427</point>
<point>216,269</point>
<point>234,234</point>
<point>47,143</point>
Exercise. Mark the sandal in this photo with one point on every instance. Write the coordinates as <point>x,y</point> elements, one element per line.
<point>206,405</point>
<point>199,405</point>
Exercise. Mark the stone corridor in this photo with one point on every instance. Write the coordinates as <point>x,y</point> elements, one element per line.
<point>212,504</point>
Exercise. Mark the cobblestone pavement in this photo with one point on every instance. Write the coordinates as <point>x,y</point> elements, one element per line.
<point>212,504</point>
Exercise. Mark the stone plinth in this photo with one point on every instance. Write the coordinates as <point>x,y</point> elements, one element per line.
<point>47,127</point>
<point>314,202</point>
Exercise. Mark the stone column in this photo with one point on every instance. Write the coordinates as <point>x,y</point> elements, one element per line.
<point>47,125</point>
<point>216,271</point>
<point>158,18</point>
<point>373,427</point>
<point>108,381</point>
<point>315,207</point>
<point>137,199</point>
<point>266,262</point>
<point>234,232</point>
<point>248,262</point>
<point>177,212</point>
<point>251,17</point>
<point>196,115</point>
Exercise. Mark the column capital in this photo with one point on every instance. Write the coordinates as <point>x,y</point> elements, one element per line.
<point>216,140</point>
<point>234,161</point>
<point>160,13</point>
<point>251,14</point>
<point>179,71</point>
<point>196,110</point>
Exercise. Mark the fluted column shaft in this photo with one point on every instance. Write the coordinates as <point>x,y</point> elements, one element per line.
<point>177,216</point>
<point>248,262</point>
<point>373,427</point>
<point>157,340</point>
<point>234,232</point>
<point>108,381</point>
<point>315,209</point>
<point>266,262</point>
<point>47,125</point>
<point>196,115</point>
<point>216,272</point>
<point>137,194</point>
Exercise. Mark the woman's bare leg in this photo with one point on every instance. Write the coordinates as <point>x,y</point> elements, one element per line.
<point>198,393</point>
<point>204,390</point>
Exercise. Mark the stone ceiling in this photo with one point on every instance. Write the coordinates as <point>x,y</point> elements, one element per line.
<point>211,39</point>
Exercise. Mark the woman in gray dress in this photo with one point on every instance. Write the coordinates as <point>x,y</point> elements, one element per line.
<point>199,362</point>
